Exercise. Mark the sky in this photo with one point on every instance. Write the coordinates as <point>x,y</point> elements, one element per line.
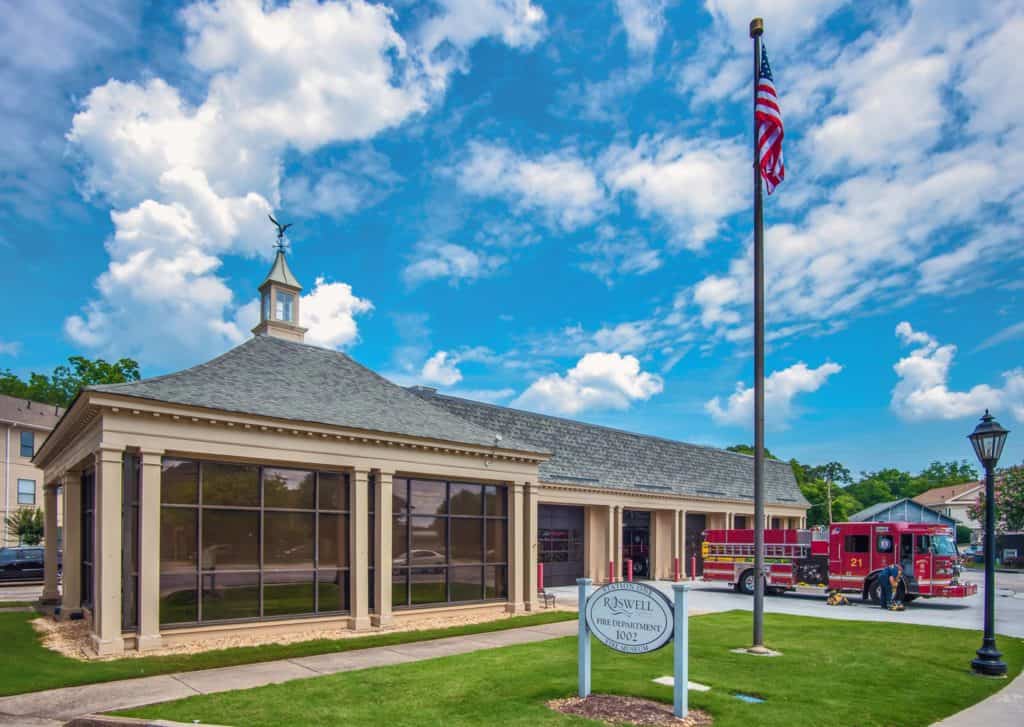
<point>542,204</point>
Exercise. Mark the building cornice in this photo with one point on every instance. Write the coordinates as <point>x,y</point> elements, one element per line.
<point>93,404</point>
<point>624,492</point>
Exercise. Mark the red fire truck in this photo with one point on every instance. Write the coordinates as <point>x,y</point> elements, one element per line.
<point>843,557</point>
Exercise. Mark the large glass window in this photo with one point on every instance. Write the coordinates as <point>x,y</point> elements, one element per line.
<point>239,541</point>
<point>130,541</point>
<point>26,492</point>
<point>449,542</point>
<point>28,443</point>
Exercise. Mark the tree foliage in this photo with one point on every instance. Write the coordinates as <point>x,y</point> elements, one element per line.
<point>1009,501</point>
<point>27,524</point>
<point>62,386</point>
<point>749,449</point>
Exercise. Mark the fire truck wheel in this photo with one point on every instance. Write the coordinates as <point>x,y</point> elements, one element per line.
<point>746,583</point>
<point>874,591</point>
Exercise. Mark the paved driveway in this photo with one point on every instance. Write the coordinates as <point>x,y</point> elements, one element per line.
<point>965,613</point>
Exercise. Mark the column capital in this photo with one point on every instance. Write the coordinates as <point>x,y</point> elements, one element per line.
<point>105,453</point>
<point>149,455</point>
<point>518,486</point>
<point>382,474</point>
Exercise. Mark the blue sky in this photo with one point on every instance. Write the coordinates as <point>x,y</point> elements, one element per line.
<point>541,204</point>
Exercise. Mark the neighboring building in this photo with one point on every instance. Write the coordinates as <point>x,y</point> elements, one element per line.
<point>905,510</point>
<point>955,501</point>
<point>282,483</point>
<point>24,425</point>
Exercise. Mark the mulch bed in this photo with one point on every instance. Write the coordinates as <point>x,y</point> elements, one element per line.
<point>615,710</point>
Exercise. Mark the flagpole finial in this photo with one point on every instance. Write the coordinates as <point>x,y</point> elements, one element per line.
<point>756,27</point>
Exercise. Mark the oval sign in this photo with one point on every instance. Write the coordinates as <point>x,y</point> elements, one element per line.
<point>630,617</point>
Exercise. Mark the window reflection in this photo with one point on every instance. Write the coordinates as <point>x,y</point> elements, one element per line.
<point>446,546</point>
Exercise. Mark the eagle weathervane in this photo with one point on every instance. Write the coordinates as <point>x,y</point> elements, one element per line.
<point>280,232</point>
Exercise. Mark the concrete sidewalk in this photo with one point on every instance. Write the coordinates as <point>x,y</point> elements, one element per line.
<point>56,706</point>
<point>1005,708</point>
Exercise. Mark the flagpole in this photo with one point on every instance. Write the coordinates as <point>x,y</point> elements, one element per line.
<point>756,29</point>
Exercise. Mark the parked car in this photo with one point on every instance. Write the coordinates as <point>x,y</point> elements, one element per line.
<point>24,563</point>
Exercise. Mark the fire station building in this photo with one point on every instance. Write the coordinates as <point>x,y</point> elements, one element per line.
<point>283,486</point>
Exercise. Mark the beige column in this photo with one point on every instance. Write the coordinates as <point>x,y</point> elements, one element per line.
<point>677,542</point>
<point>71,596</point>
<point>149,550</point>
<point>359,516</point>
<point>619,511</point>
<point>382,547</point>
<point>106,627</point>
<point>51,593</point>
<point>531,513</point>
<point>609,546</point>
<point>516,540</point>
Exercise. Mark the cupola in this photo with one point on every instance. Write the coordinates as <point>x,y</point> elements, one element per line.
<point>279,298</point>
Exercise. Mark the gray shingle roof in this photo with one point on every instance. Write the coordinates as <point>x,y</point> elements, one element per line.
<point>905,510</point>
<point>596,456</point>
<point>272,377</point>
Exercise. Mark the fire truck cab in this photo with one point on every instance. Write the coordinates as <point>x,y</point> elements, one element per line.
<point>842,557</point>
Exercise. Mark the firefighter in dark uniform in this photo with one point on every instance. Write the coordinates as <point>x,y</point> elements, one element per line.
<point>888,579</point>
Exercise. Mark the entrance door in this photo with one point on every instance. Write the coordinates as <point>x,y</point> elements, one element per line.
<point>636,542</point>
<point>695,526</point>
<point>560,543</point>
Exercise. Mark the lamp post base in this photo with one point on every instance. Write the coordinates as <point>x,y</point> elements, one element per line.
<point>988,662</point>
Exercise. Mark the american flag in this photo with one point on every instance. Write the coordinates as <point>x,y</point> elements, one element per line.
<point>768,117</point>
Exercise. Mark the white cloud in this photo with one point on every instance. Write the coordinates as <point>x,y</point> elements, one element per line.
<point>923,393</point>
<point>361,181</point>
<point>10,348</point>
<point>441,369</point>
<point>1010,333</point>
<point>613,254</point>
<point>693,184</point>
<point>628,336</point>
<point>192,181</point>
<point>597,381</point>
<point>644,21</point>
<point>558,184</point>
<point>444,39</point>
<point>447,260</point>
<point>780,389</point>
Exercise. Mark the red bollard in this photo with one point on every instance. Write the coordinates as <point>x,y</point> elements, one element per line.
<point>693,567</point>
<point>611,571</point>
<point>629,569</point>
<point>675,569</point>
<point>540,577</point>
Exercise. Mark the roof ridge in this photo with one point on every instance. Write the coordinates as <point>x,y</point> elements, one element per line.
<point>606,428</point>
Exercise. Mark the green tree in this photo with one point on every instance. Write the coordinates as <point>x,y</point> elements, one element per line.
<point>1009,501</point>
<point>822,493</point>
<point>831,474</point>
<point>749,449</point>
<point>62,386</point>
<point>884,485</point>
<point>27,524</point>
<point>942,474</point>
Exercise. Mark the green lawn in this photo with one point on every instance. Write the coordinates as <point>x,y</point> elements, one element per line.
<point>832,672</point>
<point>28,667</point>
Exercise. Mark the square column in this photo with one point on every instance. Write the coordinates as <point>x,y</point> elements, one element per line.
<point>149,551</point>
<point>359,550</point>
<point>51,593</point>
<point>382,547</point>
<point>106,625</point>
<point>71,597</point>
<point>610,554</point>
<point>516,539</point>
<point>678,556</point>
<point>619,511</point>
<point>530,557</point>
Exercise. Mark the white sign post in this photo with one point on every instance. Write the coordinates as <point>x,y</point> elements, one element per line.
<point>634,618</point>
<point>681,652</point>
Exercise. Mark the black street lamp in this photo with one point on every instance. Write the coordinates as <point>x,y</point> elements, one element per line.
<point>988,439</point>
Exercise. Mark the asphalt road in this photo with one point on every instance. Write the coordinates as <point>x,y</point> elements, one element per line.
<point>964,613</point>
